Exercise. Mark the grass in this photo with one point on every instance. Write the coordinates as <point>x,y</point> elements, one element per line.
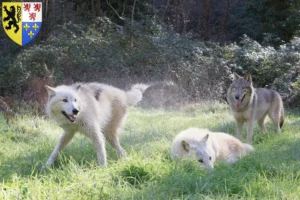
<point>271,172</point>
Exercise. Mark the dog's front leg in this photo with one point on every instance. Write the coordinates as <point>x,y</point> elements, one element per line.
<point>63,141</point>
<point>232,159</point>
<point>250,130</point>
<point>239,128</point>
<point>99,144</point>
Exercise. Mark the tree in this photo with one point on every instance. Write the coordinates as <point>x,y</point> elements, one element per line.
<point>207,14</point>
<point>280,18</point>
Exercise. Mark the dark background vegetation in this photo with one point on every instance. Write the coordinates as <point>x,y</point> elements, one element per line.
<point>195,43</point>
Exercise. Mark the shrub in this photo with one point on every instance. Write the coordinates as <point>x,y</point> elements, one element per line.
<point>105,52</point>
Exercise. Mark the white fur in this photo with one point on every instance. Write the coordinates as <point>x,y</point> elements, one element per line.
<point>102,112</point>
<point>135,95</point>
<point>208,147</point>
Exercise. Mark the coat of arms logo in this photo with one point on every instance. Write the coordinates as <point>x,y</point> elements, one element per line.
<point>22,21</point>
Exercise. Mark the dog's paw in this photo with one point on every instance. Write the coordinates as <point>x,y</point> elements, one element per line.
<point>44,169</point>
<point>122,154</point>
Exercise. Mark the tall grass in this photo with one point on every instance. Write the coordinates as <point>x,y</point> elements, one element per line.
<point>271,172</point>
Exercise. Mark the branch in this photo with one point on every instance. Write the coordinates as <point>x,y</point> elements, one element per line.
<point>114,10</point>
<point>132,18</point>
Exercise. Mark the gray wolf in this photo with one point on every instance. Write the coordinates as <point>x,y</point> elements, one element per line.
<point>249,104</point>
<point>96,110</point>
<point>208,147</point>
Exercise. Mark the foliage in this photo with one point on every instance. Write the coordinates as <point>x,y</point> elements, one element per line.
<point>241,22</point>
<point>106,52</point>
<point>264,62</point>
<point>278,18</point>
<point>143,51</point>
<point>116,10</point>
<point>289,83</point>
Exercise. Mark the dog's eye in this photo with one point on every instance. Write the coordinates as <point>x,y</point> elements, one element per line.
<point>75,100</point>
<point>200,161</point>
<point>209,158</point>
<point>65,100</point>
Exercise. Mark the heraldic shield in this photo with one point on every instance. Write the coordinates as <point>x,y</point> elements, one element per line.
<point>22,21</point>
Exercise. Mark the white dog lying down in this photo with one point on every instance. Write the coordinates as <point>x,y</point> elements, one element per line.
<point>208,147</point>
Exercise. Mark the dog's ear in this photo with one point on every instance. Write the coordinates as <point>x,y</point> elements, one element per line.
<point>248,78</point>
<point>235,76</point>
<point>77,87</point>
<point>205,138</point>
<point>50,90</point>
<point>185,145</point>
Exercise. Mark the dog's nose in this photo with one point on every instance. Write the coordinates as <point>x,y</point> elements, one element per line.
<point>237,97</point>
<point>75,111</point>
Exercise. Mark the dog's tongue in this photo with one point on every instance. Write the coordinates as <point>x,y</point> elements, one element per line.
<point>72,117</point>
<point>238,103</point>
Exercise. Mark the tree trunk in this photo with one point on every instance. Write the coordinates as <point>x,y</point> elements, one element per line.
<point>93,7</point>
<point>207,13</point>
<point>98,8</point>
<point>224,25</point>
<point>132,18</point>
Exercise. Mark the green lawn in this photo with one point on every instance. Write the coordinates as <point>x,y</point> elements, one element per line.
<point>271,172</point>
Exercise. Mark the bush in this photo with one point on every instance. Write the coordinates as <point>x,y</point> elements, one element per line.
<point>264,62</point>
<point>288,84</point>
<point>105,52</point>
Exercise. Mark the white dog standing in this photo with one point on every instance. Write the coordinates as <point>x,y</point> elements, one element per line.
<point>93,109</point>
<point>208,147</point>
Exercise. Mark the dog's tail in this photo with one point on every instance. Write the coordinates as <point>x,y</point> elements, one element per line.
<point>248,148</point>
<point>281,118</point>
<point>135,94</point>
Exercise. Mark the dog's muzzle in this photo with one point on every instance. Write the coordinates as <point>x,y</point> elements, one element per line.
<point>239,100</point>
<point>71,117</point>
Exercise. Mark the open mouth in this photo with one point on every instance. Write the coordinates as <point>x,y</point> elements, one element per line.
<point>239,101</point>
<point>71,118</point>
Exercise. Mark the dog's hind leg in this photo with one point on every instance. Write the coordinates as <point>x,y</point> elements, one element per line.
<point>63,141</point>
<point>232,159</point>
<point>261,124</point>
<point>115,143</point>
<point>275,117</point>
<point>112,131</point>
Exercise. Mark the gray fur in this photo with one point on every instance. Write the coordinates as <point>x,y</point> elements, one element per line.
<point>249,104</point>
<point>97,93</point>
